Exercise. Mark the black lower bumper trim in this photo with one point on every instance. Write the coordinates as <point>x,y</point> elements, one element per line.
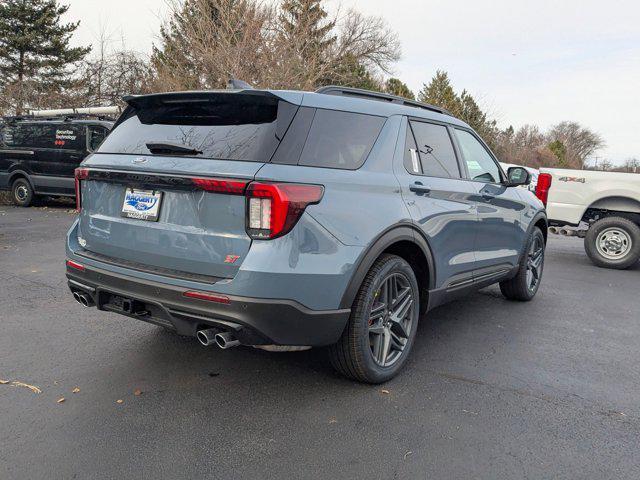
<point>255,321</point>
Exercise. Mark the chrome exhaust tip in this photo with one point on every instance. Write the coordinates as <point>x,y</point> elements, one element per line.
<point>553,230</point>
<point>226,340</point>
<point>207,336</point>
<point>83,299</point>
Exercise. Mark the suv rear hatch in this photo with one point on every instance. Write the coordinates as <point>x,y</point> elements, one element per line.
<point>164,193</point>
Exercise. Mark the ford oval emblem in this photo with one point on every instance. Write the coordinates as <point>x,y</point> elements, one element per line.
<point>139,160</point>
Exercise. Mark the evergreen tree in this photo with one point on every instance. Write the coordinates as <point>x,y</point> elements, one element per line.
<point>304,23</point>
<point>395,86</point>
<point>440,93</point>
<point>34,48</point>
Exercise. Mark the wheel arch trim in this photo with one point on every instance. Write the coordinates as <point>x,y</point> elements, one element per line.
<point>394,234</point>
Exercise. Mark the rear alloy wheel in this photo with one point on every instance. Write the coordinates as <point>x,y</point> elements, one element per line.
<point>382,327</point>
<point>22,193</point>
<point>613,242</point>
<point>524,286</point>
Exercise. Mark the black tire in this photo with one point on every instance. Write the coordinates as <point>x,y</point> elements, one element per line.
<point>524,286</point>
<point>613,242</point>
<point>22,192</point>
<point>353,355</point>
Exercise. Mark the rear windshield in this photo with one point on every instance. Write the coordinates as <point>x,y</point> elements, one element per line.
<point>223,126</point>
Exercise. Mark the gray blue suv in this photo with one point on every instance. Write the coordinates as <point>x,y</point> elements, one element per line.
<point>287,220</point>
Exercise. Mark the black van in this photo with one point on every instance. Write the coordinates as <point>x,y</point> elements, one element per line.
<point>38,156</point>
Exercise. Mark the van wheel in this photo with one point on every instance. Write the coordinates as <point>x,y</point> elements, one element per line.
<point>524,286</point>
<point>22,193</point>
<point>613,242</point>
<point>377,340</point>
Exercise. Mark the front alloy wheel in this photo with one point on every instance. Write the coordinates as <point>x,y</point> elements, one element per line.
<point>377,340</point>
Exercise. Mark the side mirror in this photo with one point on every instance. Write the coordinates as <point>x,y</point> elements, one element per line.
<point>518,176</point>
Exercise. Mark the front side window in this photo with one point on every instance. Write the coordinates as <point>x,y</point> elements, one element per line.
<point>340,139</point>
<point>435,150</point>
<point>482,167</point>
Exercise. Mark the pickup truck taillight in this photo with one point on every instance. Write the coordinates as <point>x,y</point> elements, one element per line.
<point>543,186</point>
<point>80,174</point>
<point>274,208</point>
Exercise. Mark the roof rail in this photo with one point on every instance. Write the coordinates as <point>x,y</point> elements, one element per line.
<point>383,97</point>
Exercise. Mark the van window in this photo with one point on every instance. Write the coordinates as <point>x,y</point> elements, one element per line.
<point>482,167</point>
<point>221,126</point>
<point>96,134</point>
<point>437,156</point>
<point>340,139</point>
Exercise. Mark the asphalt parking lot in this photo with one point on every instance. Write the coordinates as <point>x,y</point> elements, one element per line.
<point>494,389</point>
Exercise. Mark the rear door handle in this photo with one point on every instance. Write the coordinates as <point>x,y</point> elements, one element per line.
<point>418,187</point>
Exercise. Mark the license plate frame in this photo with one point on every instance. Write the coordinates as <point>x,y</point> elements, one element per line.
<point>140,204</point>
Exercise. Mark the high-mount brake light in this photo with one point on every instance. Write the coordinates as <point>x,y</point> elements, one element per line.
<point>274,208</point>
<point>221,185</point>
<point>80,174</point>
<point>543,186</point>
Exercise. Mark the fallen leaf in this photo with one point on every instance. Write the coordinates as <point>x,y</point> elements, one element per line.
<point>75,390</point>
<point>119,401</point>
<point>60,400</point>
<point>137,392</point>
<point>4,382</point>
<point>33,388</point>
<point>333,420</point>
<point>407,454</point>
<point>386,392</point>
<point>34,271</point>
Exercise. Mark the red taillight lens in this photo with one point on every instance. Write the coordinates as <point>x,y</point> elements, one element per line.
<point>543,186</point>
<point>80,174</point>
<point>220,185</point>
<point>274,208</point>
<point>209,297</point>
<point>75,265</point>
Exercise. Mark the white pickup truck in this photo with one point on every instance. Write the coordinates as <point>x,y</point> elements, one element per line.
<point>602,207</point>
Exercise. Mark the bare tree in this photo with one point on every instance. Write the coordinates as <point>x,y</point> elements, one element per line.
<point>580,142</point>
<point>206,41</point>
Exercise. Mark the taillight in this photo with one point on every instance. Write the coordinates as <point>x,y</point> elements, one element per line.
<point>543,186</point>
<point>221,185</point>
<point>80,174</point>
<point>274,208</point>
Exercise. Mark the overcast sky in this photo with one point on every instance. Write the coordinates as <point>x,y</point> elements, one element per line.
<point>528,62</point>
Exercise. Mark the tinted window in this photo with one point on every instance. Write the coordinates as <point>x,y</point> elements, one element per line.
<point>225,126</point>
<point>481,166</point>
<point>435,149</point>
<point>340,139</point>
<point>96,136</point>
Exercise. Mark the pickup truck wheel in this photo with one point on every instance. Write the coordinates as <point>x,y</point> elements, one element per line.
<point>377,340</point>
<point>22,193</point>
<point>524,286</point>
<point>613,242</point>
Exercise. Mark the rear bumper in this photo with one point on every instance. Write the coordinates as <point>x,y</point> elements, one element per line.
<point>255,321</point>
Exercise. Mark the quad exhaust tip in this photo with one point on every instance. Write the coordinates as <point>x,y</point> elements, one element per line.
<point>83,299</point>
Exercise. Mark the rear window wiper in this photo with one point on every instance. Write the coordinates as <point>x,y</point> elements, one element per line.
<point>161,148</point>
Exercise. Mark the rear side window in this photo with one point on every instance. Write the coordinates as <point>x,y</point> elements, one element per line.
<point>96,135</point>
<point>340,139</point>
<point>219,126</point>
<point>435,149</point>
